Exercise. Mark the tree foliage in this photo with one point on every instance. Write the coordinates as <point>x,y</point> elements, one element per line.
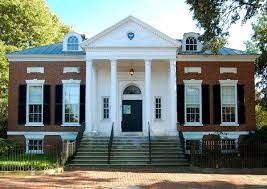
<point>24,23</point>
<point>216,16</point>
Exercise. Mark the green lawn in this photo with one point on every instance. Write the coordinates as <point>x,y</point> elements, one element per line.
<point>18,162</point>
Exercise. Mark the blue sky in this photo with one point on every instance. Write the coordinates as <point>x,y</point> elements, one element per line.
<point>172,17</point>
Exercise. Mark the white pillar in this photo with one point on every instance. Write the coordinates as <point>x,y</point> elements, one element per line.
<point>147,94</point>
<point>88,98</point>
<point>94,99</point>
<point>113,91</point>
<point>172,102</point>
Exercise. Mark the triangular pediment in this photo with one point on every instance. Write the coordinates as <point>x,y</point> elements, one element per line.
<point>131,32</point>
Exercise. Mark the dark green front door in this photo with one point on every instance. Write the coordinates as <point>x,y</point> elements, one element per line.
<point>131,116</point>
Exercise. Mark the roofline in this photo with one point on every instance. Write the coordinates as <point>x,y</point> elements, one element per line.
<point>176,43</point>
<point>219,58</point>
<point>186,58</point>
<point>44,58</point>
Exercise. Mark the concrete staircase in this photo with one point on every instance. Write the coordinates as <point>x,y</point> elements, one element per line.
<point>130,150</point>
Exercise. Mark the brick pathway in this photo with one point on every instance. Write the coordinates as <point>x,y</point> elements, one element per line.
<point>151,178</point>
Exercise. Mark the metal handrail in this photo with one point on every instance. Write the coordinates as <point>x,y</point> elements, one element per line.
<point>79,136</point>
<point>182,140</point>
<point>110,142</point>
<point>149,143</point>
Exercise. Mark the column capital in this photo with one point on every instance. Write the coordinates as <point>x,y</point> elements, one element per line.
<point>113,59</point>
<point>148,60</point>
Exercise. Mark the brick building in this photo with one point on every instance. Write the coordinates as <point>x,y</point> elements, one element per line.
<point>130,75</point>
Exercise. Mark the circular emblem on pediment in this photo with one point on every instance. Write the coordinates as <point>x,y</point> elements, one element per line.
<point>130,35</point>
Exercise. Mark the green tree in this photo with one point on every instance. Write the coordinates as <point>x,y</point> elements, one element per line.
<point>261,116</point>
<point>24,23</point>
<point>216,16</point>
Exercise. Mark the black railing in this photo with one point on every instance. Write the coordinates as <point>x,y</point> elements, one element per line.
<point>149,143</point>
<point>181,137</point>
<point>110,142</point>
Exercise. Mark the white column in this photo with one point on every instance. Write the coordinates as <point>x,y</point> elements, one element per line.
<point>147,94</point>
<point>88,98</point>
<point>172,99</point>
<point>94,98</point>
<point>113,91</point>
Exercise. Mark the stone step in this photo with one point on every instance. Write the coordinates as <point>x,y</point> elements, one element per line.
<point>180,164</point>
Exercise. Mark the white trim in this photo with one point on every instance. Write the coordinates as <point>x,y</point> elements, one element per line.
<point>65,41</point>
<point>192,70</point>
<point>224,135</point>
<point>193,83</point>
<point>71,81</point>
<point>30,83</point>
<point>87,43</point>
<point>45,58</point>
<point>75,83</point>
<point>71,70</point>
<point>216,58</point>
<point>33,134</point>
<point>228,70</point>
<point>232,83</point>
<point>35,81</point>
<point>35,69</point>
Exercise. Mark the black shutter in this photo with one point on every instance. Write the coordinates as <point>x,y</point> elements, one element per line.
<point>217,104</point>
<point>205,104</point>
<point>58,105</point>
<point>46,106</point>
<point>82,103</point>
<point>22,104</point>
<point>241,104</point>
<point>180,103</point>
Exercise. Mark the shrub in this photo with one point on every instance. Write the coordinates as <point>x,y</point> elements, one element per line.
<point>6,146</point>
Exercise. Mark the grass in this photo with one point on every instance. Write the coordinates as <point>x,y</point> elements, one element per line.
<point>24,162</point>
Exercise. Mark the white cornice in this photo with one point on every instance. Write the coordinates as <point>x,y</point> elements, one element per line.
<point>217,58</point>
<point>44,58</point>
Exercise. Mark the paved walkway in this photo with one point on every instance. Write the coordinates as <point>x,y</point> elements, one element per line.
<point>152,178</point>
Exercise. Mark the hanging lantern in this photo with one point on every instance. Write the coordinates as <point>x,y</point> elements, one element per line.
<point>131,72</point>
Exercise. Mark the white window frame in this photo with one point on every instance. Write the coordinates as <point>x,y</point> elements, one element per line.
<point>231,83</point>
<point>29,83</point>
<point>34,137</point>
<point>191,44</point>
<point>193,83</point>
<point>155,103</point>
<point>76,83</point>
<point>103,117</point>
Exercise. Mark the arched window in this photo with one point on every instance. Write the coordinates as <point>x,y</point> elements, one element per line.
<point>131,90</point>
<point>191,44</point>
<point>73,43</point>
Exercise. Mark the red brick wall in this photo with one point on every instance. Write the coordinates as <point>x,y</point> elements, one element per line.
<point>210,74</point>
<point>53,75</point>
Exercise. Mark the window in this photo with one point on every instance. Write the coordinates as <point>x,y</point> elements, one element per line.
<point>71,103</point>
<point>228,103</point>
<point>228,145</point>
<point>105,108</point>
<point>158,108</point>
<point>73,43</point>
<point>132,90</point>
<point>193,103</point>
<point>35,103</point>
<point>191,44</point>
<point>35,146</point>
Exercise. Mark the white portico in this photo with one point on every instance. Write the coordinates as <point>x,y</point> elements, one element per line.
<point>131,101</point>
